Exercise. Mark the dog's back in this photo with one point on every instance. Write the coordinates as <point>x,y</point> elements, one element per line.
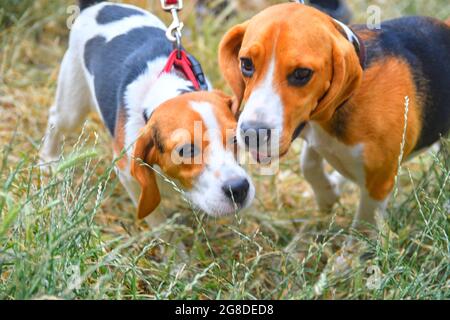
<point>424,43</point>
<point>116,43</point>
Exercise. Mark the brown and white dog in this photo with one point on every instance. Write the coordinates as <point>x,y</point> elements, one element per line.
<point>302,73</point>
<point>114,66</point>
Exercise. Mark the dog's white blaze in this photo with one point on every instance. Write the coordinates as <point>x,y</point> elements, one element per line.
<point>204,109</point>
<point>264,104</point>
<point>220,166</point>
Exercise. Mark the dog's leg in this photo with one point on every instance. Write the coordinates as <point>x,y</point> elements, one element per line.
<point>367,210</point>
<point>70,109</point>
<point>375,192</point>
<point>325,187</point>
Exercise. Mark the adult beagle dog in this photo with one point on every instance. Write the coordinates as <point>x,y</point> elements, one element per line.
<point>114,66</point>
<point>302,73</point>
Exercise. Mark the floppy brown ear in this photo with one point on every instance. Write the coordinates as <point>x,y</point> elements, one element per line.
<point>142,157</point>
<point>347,76</point>
<point>229,60</point>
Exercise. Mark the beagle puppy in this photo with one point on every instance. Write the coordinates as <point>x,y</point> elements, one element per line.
<point>114,66</point>
<point>302,73</point>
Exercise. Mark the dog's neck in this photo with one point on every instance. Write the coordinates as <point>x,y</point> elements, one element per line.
<point>148,92</point>
<point>165,87</point>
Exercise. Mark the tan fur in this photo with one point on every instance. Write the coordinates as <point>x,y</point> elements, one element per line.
<point>375,117</point>
<point>143,156</point>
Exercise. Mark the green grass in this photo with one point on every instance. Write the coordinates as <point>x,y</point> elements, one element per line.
<point>72,234</point>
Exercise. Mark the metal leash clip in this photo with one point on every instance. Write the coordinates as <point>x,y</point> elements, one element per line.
<point>173,33</point>
<point>179,59</point>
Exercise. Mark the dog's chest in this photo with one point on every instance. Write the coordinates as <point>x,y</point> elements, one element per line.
<point>348,160</point>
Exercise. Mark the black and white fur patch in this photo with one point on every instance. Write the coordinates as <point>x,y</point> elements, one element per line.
<point>123,48</point>
<point>117,63</point>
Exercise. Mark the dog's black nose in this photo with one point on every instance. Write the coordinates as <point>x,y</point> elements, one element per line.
<point>255,134</point>
<point>236,190</point>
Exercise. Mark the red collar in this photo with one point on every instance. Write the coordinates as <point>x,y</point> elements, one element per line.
<point>180,60</point>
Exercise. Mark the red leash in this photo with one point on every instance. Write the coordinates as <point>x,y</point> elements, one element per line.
<point>182,64</point>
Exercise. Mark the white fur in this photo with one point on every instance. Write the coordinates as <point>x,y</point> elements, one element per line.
<point>72,104</point>
<point>86,28</point>
<point>325,191</point>
<point>367,210</point>
<point>146,93</point>
<point>75,93</point>
<point>221,166</point>
<point>347,160</point>
<point>264,105</point>
<point>87,23</point>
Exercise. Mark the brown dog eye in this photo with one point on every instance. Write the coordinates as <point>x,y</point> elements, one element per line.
<point>247,67</point>
<point>188,151</point>
<point>300,77</point>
